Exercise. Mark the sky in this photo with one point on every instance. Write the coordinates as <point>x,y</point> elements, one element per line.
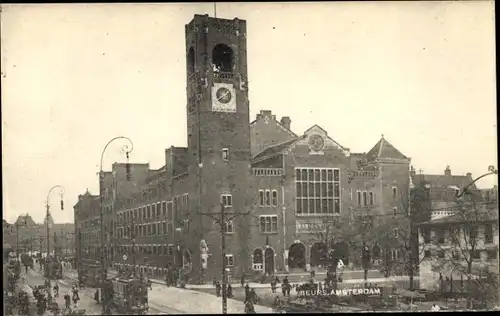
<point>76,75</point>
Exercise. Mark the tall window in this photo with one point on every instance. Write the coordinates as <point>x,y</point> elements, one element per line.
<point>267,199</point>
<point>158,209</point>
<point>164,208</point>
<point>261,197</point>
<point>227,200</point>
<point>372,200</point>
<point>274,198</point>
<point>394,192</point>
<point>358,197</point>
<point>225,154</point>
<point>269,224</point>
<point>318,190</point>
<point>365,199</point>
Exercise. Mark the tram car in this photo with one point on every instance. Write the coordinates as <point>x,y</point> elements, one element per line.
<point>128,296</point>
<point>53,269</point>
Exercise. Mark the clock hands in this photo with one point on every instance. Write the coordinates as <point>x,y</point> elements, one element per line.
<point>223,96</point>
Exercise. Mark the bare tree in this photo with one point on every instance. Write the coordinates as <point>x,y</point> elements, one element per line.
<point>461,233</point>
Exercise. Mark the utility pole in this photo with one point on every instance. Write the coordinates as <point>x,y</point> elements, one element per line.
<point>222,220</point>
<point>223,248</point>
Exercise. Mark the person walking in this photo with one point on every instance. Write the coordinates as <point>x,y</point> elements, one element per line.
<point>217,289</point>
<point>229,291</point>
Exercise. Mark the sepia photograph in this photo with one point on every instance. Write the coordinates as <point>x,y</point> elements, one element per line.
<point>249,157</point>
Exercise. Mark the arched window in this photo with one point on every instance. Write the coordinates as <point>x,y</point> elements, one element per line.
<point>190,62</point>
<point>222,58</point>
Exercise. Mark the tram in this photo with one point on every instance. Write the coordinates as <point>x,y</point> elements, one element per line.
<point>53,269</point>
<point>127,296</point>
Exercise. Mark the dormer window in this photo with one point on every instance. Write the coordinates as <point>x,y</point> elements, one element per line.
<point>225,154</point>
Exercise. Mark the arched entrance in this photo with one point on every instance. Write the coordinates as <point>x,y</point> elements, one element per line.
<point>297,256</point>
<point>258,260</point>
<point>222,58</point>
<point>269,261</point>
<point>319,254</point>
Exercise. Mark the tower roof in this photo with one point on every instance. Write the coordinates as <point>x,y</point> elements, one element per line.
<point>384,149</point>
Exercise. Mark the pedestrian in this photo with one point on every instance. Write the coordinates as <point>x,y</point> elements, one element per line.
<point>247,292</point>
<point>242,281</point>
<point>254,297</point>
<point>229,291</point>
<point>277,280</point>
<point>214,281</point>
<point>283,289</point>
<point>249,308</point>
<point>56,290</point>
<point>435,308</point>
<point>96,296</point>
<point>285,280</point>
<point>273,286</point>
<point>217,289</point>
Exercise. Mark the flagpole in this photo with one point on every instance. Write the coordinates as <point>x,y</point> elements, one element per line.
<point>215,9</point>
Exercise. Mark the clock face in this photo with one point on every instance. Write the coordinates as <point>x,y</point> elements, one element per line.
<point>223,95</point>
<point>316,142</point>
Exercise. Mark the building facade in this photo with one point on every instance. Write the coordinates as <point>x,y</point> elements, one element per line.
<point>460,245</point>
<point>280,191</point>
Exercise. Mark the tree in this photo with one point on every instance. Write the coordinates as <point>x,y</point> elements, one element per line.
<point>465,233</point>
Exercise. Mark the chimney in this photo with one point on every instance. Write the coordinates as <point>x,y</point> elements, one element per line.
<point>286,122</point>
<point>447,171</point>
<point>265,113</point>
<point>469,175</point>
<point>412,171</point>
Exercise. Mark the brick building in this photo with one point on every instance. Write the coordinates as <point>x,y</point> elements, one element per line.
<point>288,183</point>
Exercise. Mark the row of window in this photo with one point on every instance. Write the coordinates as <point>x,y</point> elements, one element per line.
<point>364,198</point>
<point>442,234</point>
<point>491,254</point>
<point>268,198</point>
<point>155,210</point>
<point>317,191</point>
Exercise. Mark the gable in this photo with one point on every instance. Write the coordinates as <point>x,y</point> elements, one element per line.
<point>266,132</point>
<point>329,143</point>
<point>384,149</point>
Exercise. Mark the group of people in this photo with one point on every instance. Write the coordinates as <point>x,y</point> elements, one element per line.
<point>218,289</point>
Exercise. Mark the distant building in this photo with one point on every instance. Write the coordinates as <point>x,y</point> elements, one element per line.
<point>467,237</point>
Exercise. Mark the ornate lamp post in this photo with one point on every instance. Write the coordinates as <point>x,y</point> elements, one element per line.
<point>101,200</point>
<point>48,264</point>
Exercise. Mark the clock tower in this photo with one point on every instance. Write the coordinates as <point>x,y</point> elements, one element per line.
<point>218,125</point>
<point>217,94</point>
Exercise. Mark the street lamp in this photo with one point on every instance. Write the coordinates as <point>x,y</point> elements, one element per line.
<point>101,195</point>
<point>491,169</point>
<point>48,265</point>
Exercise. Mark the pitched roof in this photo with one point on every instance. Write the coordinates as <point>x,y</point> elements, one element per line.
<point>443,181</point>
<point>459,217</point>
<point>384,149</point>
<point>276,149</point>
